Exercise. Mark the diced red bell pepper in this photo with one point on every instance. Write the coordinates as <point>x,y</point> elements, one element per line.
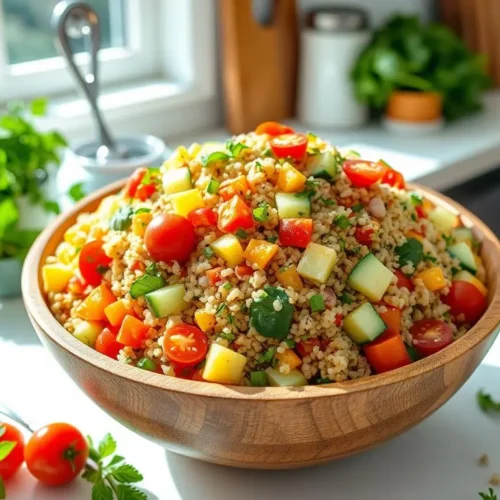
<point>235,214</point>
<point>296,232</point>
<point>403,280</point>
<point>338,319</point>
<point>213,275</point>
<point>305,347</point>
<point>242,271</point>
<point>106,344</point>
<point>145,191</point>
<point>202,217</point>
<point>364,235</point>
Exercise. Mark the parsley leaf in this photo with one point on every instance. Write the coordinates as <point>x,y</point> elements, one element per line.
<point>127,474</point>
<point>272,239</point>
<point>346,299</point>
<point>326,201</point>
<point>107,446</point>
<point>410,252</point>
<point>416,199</point>
<point>357,207</point>
<point>127,492</point>
<point>122,219</point>
<point>101,491</point>
<point>487,403</point>
<point>448,239</point>
<point>342,221</point>
<point>217,156</point>
<point>261,213</point>
<point>145,284</point>
<point>229,336</point>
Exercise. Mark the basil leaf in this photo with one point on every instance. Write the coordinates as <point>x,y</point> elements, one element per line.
<point>122,219</point>
<point>410,252</point>
<point>214,157</point>
<point>266,319</point>
<point>146,284</point>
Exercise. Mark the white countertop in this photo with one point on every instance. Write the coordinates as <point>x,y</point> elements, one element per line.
<point>437,460</point>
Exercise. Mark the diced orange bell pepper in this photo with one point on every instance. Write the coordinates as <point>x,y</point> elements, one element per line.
<point>392,319</point>
<point>233,187</point>
<point>116,312</point>
<point>290,180</point>
<point>92,308</point>
<point>433,278</point>
<point>235,214</point>
<point>132,332</point>
<point>289,277</point>
<point>204,320</point>
<point>387,352</point>
<point>213,275</point>
<point>140,223</point>
<point>288,358</point>
<point>260,252</point>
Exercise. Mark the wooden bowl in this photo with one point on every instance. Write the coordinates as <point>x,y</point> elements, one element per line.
<point>264,427</point>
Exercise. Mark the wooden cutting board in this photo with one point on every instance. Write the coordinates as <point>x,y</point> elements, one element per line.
<point>259,63</point>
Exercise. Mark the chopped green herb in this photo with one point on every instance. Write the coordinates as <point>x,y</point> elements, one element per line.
<point>146,364</point>
<point>227,286</point>
<point>235,148</point>
<point>230,319</point>
<point>151,176</point>
<point>272,239</point>
<point>413,217</point>
<point>152,270</point>
<point>410,252</point>
<point>357,207</point>
<point>142,210</point>
<point>258,166</point>
<point>290,343</point>
<point>261,213</point>
<point>487,403</point>
<point>429,257</point>
<point>208,252</point>
<point>307,193</point>
<point>241,234</point>
<point>317,303</point>
<point>244,308</point>
<point>284,269</point>
<point>146,284</point>
<point>416,199</point>
<point>213,186</point>
<point>342,244</point>
<point>326,201</point>
<point>346,299</point>
<point>267,152</point>
<point>454,271</point>
<point>342,221</point>
<point>122,219</point>
<point>229,336</point>
<point>220,309</point>
<point>214,157</point>
<point>258,379</point>
<point>448,239</point>
<point>266,357</point>
<point>355,250</point>
<point>315,151</point>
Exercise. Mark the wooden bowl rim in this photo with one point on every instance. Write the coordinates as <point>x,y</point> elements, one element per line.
<point>40,314</point>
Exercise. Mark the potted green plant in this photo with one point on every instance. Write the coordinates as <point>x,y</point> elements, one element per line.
<point>26,157</point>
<point>414,72</point>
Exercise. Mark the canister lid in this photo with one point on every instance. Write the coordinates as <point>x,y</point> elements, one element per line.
<point>337,19</point>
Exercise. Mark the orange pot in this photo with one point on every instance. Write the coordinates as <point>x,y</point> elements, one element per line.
<point>415,106</point>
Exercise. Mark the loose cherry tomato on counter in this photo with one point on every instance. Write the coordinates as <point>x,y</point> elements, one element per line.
<point>363,173</point>
<point>185,345</point>
<point>295,232</point>
<point>93,262</point>
<point>364,235</point>
<point>235,214</point>
<point>106,344</point>
<point>466,302</point>
<point>306,347</point>
<point>392,318</point>
<point>273,128</point>
<point>393,178</point>
<point>289,146</point>
<point>15,458</point>
<point>170,237</point>
<point>403,280</point>
<point>202,217</point>
<point>387,352</point>
<point>430,336</point>
<point>56,454</point>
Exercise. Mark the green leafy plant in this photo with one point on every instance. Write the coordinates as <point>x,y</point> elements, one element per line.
<point>25,156</point>
<point>407,55</point>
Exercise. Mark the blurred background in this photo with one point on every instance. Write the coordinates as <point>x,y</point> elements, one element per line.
<point>415,82</point>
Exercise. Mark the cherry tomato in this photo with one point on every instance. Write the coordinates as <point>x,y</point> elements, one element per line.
<point>306,347</point>
<point>430,336</point>
<point>393,178</point>
<point>363,173</point>
<point>13,461</point>
<point>93,262</point>
<point>235,214</point>
<point>242,271</point>
<point>392,319</point>
<point>403,280</point>
<point>273,128</point>
<point>106,344</point>
<point>202,217</point>
<point>56,454</point>
<point>296,232</point>
<point>170,237</point>
<point>145,191</point>
<point>364,235</point>
<point>185,345</point>
<point>467,303</point>
<point>289,146</point>
<point>134,181</point>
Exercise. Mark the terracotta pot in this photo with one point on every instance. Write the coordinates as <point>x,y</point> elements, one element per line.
<point>415,106</point>
<point>270,427</point>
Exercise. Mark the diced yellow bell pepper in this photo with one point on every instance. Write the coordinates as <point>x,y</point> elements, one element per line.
<point>65,253</point>
<point>288,358</point>
<point>260,252</point>
<point>75,236</point>
<point>194,149</point>
<point>228,248</point>
<point>427,205</point>
<point>223,365</point>
<point>466,276</point>
<point>109,206</point>
<point>178,158</point>
<point>433,278</point>
<point>55,277</point>
<point>290,180</point>
<point>413,234</point>
<point>140,222</point>
<point>187,201</point>
<point>231,187</point>
<point>289,277</point>
<point>204,320</point>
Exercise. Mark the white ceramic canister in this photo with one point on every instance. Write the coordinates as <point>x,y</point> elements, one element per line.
<point>331,41</point>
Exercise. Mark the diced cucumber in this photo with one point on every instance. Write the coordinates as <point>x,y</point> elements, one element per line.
<point>322,165</point>
<point>291,206</point>
<point>317,263</point>
<point>167,301</point>
<point>293,379</point>
<point>213,186</point>
<point>463,234</point>
<point>370,277</point>
<point>443,219</point>
<point>88,331</point>
<point>177,180</point>
<point>464,254</point>
<point>364,325</point>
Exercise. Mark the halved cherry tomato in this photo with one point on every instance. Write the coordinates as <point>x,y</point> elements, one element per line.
<point>13,461</point>
<point>466,302</point>
<point>202,217</point>
<point>235,214</point>
<point>213,275</point>
<point>387,352</point>
<point>363,173</point>
<point>364,235</point>
<point>273,128</point>
<point>185,345</point>
<point>430,336</point>
<point>289,146</point>
<point>393,178</point>
<point>145,191</point>
<point>305,347</point>
<point>296,232</point>
<point>132,332</point>
<point>106,344</point>
<point>403,280</point>
<point>392,318</point>
<point>170,237</point>
<point>56,454</point>
<point>242,271</point>
<point>93,262</point>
